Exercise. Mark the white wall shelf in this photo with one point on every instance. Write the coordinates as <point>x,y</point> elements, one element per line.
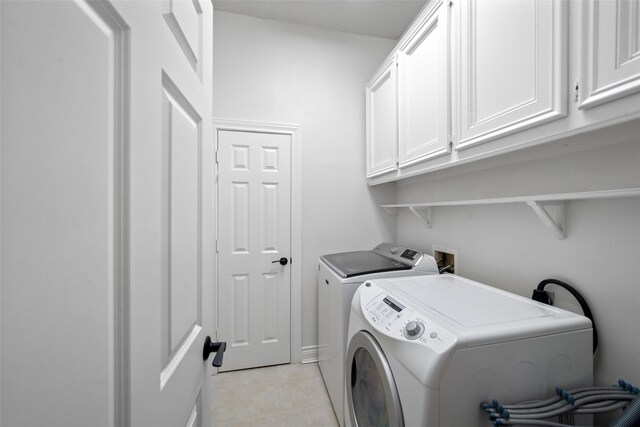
<point>548,207</point>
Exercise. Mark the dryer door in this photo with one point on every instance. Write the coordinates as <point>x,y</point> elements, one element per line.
<point>372,395</point>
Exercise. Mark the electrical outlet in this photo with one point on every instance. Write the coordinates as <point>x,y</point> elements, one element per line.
<point>447,259</point>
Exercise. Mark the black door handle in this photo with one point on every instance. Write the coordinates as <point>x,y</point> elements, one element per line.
<point>282,261</point>
<point>214,347</point>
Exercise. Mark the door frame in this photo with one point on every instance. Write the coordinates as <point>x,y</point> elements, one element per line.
<point>293,131</point>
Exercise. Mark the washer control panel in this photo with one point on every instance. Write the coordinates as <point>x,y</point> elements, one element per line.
<point>399,253</point>
<point>393,318</point>
<point>409,254</point>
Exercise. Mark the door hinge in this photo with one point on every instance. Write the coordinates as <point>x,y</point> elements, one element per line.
<point>217,246</point>
<point>217,156</point>
<point>576,91</point>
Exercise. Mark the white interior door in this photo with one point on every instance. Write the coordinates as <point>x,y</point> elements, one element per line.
<point>254,232</point>
<point>107,212</point>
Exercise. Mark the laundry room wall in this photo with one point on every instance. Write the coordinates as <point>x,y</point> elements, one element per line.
<point>275,72</point>
<point>507,246</point>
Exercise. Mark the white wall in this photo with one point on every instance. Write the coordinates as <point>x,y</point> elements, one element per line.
<point>269,71</point>
<point>508,247</point>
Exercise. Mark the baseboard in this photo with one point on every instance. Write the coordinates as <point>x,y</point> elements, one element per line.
<point>309,354</point>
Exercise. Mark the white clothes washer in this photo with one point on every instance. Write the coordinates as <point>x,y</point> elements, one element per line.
<point>425,351</point>
<point>339,276</point>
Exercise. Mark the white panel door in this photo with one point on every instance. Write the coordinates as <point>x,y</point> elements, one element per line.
<point>611,67</point>
<point>423,90</point>
<point>254,232</point>
<point>382,121</point>
<point>107,213</point>
<point>511,67</point>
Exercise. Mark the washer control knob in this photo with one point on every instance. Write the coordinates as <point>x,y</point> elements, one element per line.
<point>413,330</point>
<point>393,250</point>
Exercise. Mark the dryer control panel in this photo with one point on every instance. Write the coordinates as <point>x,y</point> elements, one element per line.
<point>395,319</point>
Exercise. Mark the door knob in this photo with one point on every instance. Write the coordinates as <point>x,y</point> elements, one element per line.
<point>214,347</point>
<point>282,261</point>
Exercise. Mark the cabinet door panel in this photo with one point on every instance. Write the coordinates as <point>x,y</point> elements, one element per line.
<point>611,52</point>
<point>423,83</point>
<point>382,118</point>
<point>512,67</point>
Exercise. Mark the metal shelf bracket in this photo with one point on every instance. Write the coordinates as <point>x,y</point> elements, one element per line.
<point>423,213</point>
<point>551,215</point>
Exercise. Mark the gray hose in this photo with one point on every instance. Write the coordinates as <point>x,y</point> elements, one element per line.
<point>630,417</point>
<point>585,400</point>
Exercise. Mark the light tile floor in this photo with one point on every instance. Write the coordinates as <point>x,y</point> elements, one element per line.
<point>285,395</point>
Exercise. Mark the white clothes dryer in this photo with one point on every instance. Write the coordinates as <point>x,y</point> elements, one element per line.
<point>425,351</point>
<point>339,276</point>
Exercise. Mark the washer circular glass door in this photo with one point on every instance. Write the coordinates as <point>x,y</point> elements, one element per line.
<point>372,394</point>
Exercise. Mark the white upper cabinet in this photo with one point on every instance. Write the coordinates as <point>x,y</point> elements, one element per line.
<point>423,95</point>
<point>481,78</point>
<point>511,67</point>
<point>382,121</point>
<point>611,60</point>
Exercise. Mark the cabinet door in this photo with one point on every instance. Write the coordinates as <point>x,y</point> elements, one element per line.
<point>423,98</point>
<point>382,122</point>
<point>511,65</point>
<point>611,67</point>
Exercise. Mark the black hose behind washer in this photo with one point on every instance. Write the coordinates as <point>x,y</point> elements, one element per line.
<point>583,303</point>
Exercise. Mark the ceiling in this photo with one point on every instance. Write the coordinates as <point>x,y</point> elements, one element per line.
<point>377,18</point>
